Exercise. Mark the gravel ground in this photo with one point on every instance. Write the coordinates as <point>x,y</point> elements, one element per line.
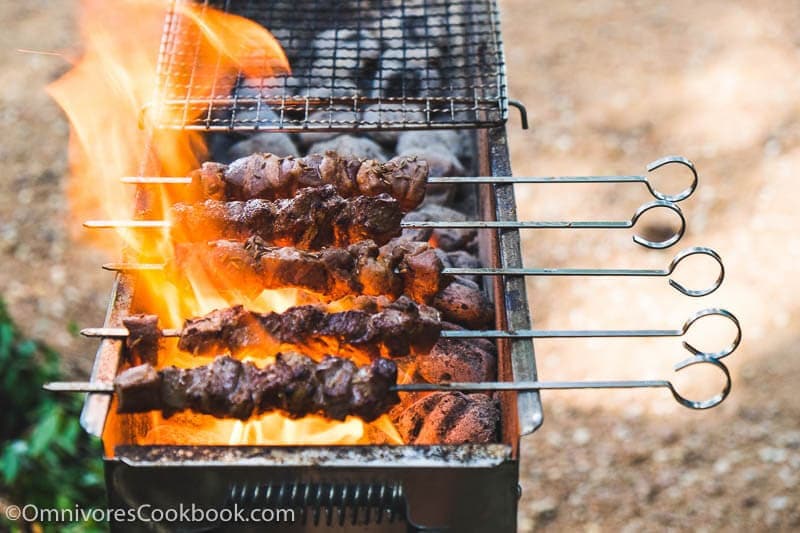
<point>609,86</point>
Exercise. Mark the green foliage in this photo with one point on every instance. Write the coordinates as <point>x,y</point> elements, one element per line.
<point>46,459</point>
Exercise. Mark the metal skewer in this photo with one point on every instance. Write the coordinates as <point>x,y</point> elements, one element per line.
<point>658,195</point>
<point>121,333</point>
<point>482,271</point>
<point>696,250</point>
<point>572,224</point>
<point>478,224</point>
<point>506,386</point>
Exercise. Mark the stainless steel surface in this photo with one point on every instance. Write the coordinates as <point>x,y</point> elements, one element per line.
<point>454,488</point>
<point>482,271</point>
<point>446,56</point>
<point>536,224</point>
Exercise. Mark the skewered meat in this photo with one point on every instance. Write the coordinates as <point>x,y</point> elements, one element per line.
<point>144,338</point>
<point>398,329</point>
<point>410,268</point>
<point>295,384</point>
<point>269,177</point>
<point>313,218</point>
<point>399,267</point>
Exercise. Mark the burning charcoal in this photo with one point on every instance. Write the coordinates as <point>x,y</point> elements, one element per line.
<point>391,114</point>
<point>341,117</point>
<point>483,343</point>
<point>457,360</point>
<point>279,144</point>
<point>407,72</point>
<point>143,338</point>
<point>452,141</point>
<point>449,418</point>
<point>462,259</point>
<point>350,146</point>
<point>448,239</point>
<point>341,87</point>
<point>354,52</point>
<point>464,304</point>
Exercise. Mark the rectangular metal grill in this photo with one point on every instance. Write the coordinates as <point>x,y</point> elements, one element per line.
<point>430,64</point>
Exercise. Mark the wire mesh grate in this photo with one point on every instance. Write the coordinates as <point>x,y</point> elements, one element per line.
<point>357,64</point>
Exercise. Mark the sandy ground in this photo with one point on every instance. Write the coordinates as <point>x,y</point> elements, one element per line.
<point>609,86</point>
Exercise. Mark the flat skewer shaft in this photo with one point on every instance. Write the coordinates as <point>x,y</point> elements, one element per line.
<point>121,333</point>
<point>489,386</point>
<point>185,180</point>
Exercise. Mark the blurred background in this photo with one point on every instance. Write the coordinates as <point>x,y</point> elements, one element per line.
<point>609,86</point>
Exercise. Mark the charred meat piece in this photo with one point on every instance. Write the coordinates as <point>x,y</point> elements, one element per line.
<point>144,338</point>
<point>397,329</point>
<point>314,218</point>
<point>399,267</point>
<point>449,418</point>
<point>269,177</point>
<point>294,384</point>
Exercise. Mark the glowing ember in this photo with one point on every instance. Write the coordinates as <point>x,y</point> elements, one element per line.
<point>104,96</point>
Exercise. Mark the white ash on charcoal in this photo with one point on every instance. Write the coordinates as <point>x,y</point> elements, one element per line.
<point>455,142</point>
<point>344,53</point>
<point>351,146</point>
<point>340,89</point>
<point>448,418</point>
<point>392,114</point>
<point>408,73</point>
<point>461,259</point>
<point>458,360</point>
<point>337,118</point>
<point>457,303</point>
<point>279,144</point>
<point>448,239</point>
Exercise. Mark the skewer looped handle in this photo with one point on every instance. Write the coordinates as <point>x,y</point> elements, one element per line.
<point>696,250</point>
<point>665,243</point>
<point>668,160</point>
<point>714,311</point>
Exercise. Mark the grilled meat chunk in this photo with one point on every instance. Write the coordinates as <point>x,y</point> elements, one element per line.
<point>144,338</point>
<point>269,177</point>
<point>314,218</point>
<point>294,384</point>
<point>401,328</point>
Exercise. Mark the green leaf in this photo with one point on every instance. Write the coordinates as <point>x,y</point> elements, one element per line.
<point>43,433</point>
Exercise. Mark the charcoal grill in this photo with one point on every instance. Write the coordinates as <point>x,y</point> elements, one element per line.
<point>374,488</point>
<point>455,487</point>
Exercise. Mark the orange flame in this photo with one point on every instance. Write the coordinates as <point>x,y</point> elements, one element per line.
<point>104,96</point>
